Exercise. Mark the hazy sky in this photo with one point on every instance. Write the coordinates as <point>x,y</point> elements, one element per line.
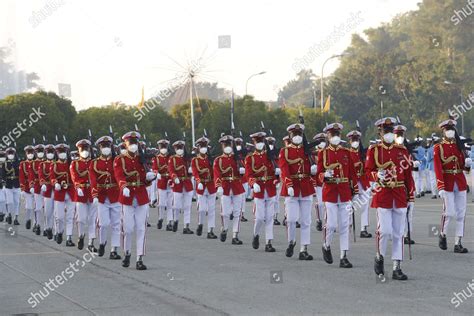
<point>108,50</point>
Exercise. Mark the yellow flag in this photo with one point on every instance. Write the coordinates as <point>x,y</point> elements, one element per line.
<point>142,102</point>
<point>327,106</point>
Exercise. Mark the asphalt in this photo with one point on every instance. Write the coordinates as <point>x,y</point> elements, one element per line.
<point>190,275</point>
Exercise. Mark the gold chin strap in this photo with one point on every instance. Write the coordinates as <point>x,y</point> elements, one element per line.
<point>386,165</point>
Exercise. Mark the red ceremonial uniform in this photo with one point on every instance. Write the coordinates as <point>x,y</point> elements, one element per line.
<point>130,173</point>
<point>359,168</point>
<point>316,180</point>
<point>80,178</point>
<point>295,171</point>
<point>59,173</point>
<point>226,175</point>
<point>340,187</point>
<point>44,177</point>
<point>178,168</point>
<point>25,169</point>
<point>259,169</point>
<point>102,180</point>
<point>160,165</point>
<point>449,163</point>
<point>33,175</point>
<point>399,186</point>
<point>202,173</point>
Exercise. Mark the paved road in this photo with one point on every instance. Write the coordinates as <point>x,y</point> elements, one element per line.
<point>193,275</point>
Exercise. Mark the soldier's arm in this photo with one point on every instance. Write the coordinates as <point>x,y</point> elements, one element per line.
<point>353,175</point>
<point>285,169</point>
<point>119,172</point>
<point>370,167</point>
<point>217,173</point>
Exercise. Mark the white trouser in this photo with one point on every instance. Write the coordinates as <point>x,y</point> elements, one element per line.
<point>13,201</point>
<point>86,215</point>
<point>182,201</point>
<point>319,205</point>
<point>246,196</point>
<point>165,203</point>
<point>3,201</point>
<point>472,182</point>
<point>29,204</point>
<point>276,204</point>
<point>390,222</point>
<point>426,179</point>
<point>299,208</point>
<point>364,208</point>
<point>410,218</point>
<point>231,204</point>
<point>39,204</point>
<point>418,181</point>
<point>151,190</point>
<point>338,217</point>
<point>207,204</point>
<point>64,211</point>
<point>48,212</point>
<point>109,216</point>
<point>264,215</point>
<point>134,218</point>
<point>454,207</point>
<point>434,189</point>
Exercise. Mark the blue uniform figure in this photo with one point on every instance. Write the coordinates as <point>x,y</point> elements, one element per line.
<point>429,171</point>
<point>420,158</point>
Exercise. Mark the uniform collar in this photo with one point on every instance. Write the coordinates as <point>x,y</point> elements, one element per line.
<point>387,147</point>
<point>331,147</point>
<point>295,146</point>
<point>448,141</point>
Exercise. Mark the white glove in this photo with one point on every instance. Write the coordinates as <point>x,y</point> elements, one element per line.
<point>44,188</point>
<point>95,201</point>
<point>200,186</point>
<point>176,181</point>
<point>277,171</point>
<point>442,194</point>
<point>381,174</point>
<point>256,188</point>
<point>242,170</point>
<point>220,191</point>
<point>291,191</point>
<point>416,163</point>
<point>468,162</point>
<point>80,192</point>
<point>329,173</point>
<point>126,192</point>
<point>190,170</point>
<point>57,187</point>
<point>32,190</point>
<point>158,176</point>
<point>150,176</point>
<point>313,170</point>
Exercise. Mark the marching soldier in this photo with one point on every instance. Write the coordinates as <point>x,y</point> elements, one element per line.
<point>182,186</point>
<point>133,179</point>
<point>449,164</point>
<point>261,173</point>
<point>389,165</point>
<point>26,191</point>
<point>319,205</point>
<point>12,185</point>
<point>35,188</point>
<point>3,197</point>
<point>340,184</point>
<point>362,181</point>
<point>227,178</point>
<point>86,210</point>
<point>105,194</point>
<point>47,189</point>
<point>205,188</point>
<point>64,195</point>
<point>298,190</point>
<point>165,195</point>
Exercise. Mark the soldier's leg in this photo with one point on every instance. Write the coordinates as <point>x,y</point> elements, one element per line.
<point>115,217</point>
<point>384,230</point>
<point>177,207</point>
<point>49,210</point>
<point>237,201</point>
<point>70,209</point>
<point>305,205</point>
<point>226,210</point>
<point>364,209</point>
<point>104,214</point>
<point>449,212</point>
<point>59,216</point>
<point>140,226</point>
<point>398,227</point>
<point>81,218</point>
<point>202,206</point>
<point>211,212</point>
<point>276,202</point>
<point>187,204</point>
<point>319,200</point>
<point>269,209</point>
<point>39,205</point>
<point>128,223</point>
<point>330,225</point>
<point>29,205</point>
<point>460,199</point>
<point>292,210</point>
<point>92,223</point>
<point>259,205</point>
<point>344,221</point>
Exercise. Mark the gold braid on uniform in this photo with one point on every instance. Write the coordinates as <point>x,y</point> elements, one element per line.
<point>81,174</point>
<point>224,170</point>
<point>101,173</point>
<point>262,168</point>
<point>445,160</point>
<point>378,164</point>
<point>292,161</point>
<point>128,174</point>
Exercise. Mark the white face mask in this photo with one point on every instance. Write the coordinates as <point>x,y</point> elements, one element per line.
<point>163,151</point>
<point>227,150</point>
<point>449,133</point>
<point>105,151</point>
<point>389,138</point>
<point>11,157</point>
<point>84,154</point>
<point>62,156</point>
<point>179,152</point>
<point>50,156</point>
<point>132,148</point>
<point>271,146</point>
<point>123,151</point>
<point>203,150</point>
<point>322,145</point>
<point>297,139</point>
<point>40,155</point>
<point>335,140</point>
<point>400,140</point>
<point>259,146</point>
<point>238,147</point>
<point>355,145</point>
<point>30,156</point>
<point>3,159</point>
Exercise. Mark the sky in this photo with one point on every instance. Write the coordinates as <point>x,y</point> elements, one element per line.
<point>109,50</point>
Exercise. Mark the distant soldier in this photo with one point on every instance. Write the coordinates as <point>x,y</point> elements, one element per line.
<point>35,187</point>
<point>389,165</point>
<point>12,185</point>
<point>239,144</point>
<point>319,205</point>
<point>180,174</point>
<point>449,164</point>
<point>26,191</point>
<point>47,190</point>
<point>298,190</point>
<point>227,178</point>
<point>430,174</point>
<point>205,188</point>
<point>419,166</point>
<point>165,194</point>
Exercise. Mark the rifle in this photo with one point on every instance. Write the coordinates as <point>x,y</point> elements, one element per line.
<point>270,153</point>
<point>307,146</point>
<point>141,154</point>
<point>89,137</point>
<point>210,155</point>
<point>237,153</point>
<point>362,150</point>
<point>168,147</point>
<point>111,134</point>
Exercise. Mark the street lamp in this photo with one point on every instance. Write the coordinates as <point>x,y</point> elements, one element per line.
<point>447,82</point>
<point>322,74</point>
<point>247,83</point>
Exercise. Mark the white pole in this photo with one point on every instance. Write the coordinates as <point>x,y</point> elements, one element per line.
<point>192,107</point>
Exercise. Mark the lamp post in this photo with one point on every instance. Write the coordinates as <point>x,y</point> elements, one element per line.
<point>322,75</point>
<point>247,83</point>
<point>447,82</point>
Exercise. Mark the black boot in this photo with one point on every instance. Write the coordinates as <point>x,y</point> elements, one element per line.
<point>199,230</point>
<point>175,226</point>
<point>38,230</point>
<point>28,224</point>
<point>34,228</point>
<point>9,219</point>
<point>243,219</point>
<point>399,275</point>
<point>114,256</point>
<point>49,232</point>
<point>269,248</point>
<point>460,249</point>
<point>319,225</point>
<point>231,217</point>
<point>140,265</point>
<point>101,250</point>
<point>298,225</point>
<point>327,255</point>
<point>365,234</point>
<point>434,197</point>
<point>92,248</point>
<point>160,224</point>
<point>55,237</point>
<point>16,222</point>
<point>344,263</point>
<point>236,241</point>
<point>442,242</point>
<point>211,235</point>
<point>2,217</point>
<point>45,233</point>
<point>80,243</point>
<point>169,227</point>
<point>148,224</point>
<point>126,261</point>
<point>69,243</point>
<point>378,266</point>
<point>305,256</point>
<point>59,238</point>
<point>255,242</point>
<point>223,235</point>
<point>407,241</point>
<point>290,249</point>
<point>276,222</point>
<point>284,221</point>
<point>187,231</point>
